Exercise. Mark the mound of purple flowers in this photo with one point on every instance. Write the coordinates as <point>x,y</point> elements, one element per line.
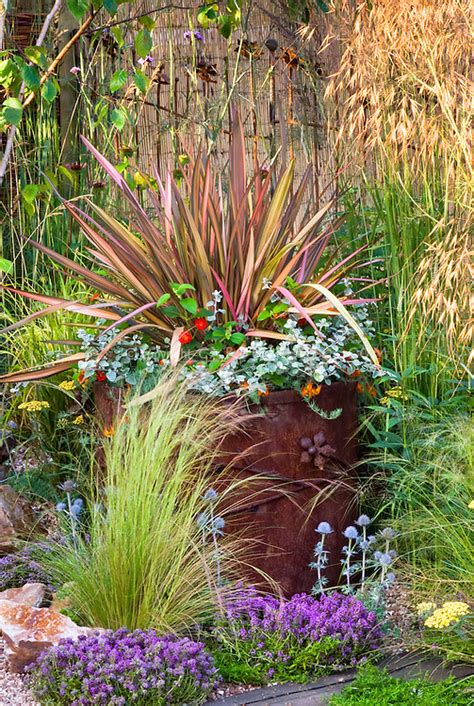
<point>124,667</point>
<point>302,636</point>
<point>23,567</point>
<point>303,618</point>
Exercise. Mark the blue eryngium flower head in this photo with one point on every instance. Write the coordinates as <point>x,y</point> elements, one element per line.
<point>384,559</point>
<point>68,486</point>
<point>350,532</point>
<point>60,507</point>
<point>219,523</point>
<point>388,533</point>
<point>363,521</point>
<point>324,528</point>
<point>210,495</point>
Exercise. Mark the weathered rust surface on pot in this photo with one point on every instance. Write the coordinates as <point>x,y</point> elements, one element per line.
<point>288,491</point>
<point>108,402</point>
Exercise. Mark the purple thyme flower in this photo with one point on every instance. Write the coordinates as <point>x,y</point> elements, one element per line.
<point>120,667</point>
<point>262,621</point>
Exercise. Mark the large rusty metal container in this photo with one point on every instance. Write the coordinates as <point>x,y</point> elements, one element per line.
<point>287,491</point>
<point>284,491</point>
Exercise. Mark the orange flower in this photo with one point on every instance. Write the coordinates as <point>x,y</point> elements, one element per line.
<point>244,385</point>
<point>310,390</point>
<point>161,361</point>
<point>371,391</point>
<point>378,353</point>
<point>263,394</point>
<point>355,374</point>
<point>108,431</point>
<point>360,388</point>
<point>94,297</point>
<point>80,377</point>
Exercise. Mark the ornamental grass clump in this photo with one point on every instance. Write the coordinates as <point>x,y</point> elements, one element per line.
<point>263,639</point>
<point>122,668</point>
<point>143,562</point>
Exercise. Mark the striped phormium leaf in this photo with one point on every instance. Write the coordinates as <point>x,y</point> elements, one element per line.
<point>245,236</point>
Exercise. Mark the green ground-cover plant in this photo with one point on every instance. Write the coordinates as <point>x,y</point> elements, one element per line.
<point>377,686</point>
<point>143,561</point>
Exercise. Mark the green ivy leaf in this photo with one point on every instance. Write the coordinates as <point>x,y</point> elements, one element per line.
<point>49,90</point>
<point>225,25</point>
<point>171,311</point>
<point>190,305</point>
<point>147,22</point>
<point>12,111</point>
<point>30,192</point>
<point>180,289</point>
<point>237,338</point>
<point>118,118</point>
<point>78,8</point>
<point>118,80</point>
<point>31,77</point>
<point>163,299</point>
<point>7,71</point>
<point>141,81</point>
<point>37,56</point>
<point>143,43</point>
<point>116,33</point>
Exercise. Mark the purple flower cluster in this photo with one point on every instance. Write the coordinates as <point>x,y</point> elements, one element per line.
<point>23,567</point>
<point>303,619</point>
<point>124,667</point>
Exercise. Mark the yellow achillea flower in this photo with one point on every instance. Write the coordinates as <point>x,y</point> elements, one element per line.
<point>78,420</point>
<point>471,505</point>
<point>67,385</point>
<point>447,615</point>
<point>397,392</point>
<point>425,607</point>
<point>34,406</point>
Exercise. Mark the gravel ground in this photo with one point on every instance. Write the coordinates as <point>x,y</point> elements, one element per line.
<point>12,689</point>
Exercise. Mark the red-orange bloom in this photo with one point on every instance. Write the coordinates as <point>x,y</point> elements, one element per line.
<point>200,324</point>
<point>185,337</point>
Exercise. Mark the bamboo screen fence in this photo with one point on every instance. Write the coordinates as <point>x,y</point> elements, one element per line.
<point>275,78</point>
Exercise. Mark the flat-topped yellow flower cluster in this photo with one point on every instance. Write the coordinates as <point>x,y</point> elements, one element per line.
<point>447,615</point>
<point>34,405</point>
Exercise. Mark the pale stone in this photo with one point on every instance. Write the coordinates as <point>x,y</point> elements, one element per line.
<point>31,594</point>
<point>28,631</point>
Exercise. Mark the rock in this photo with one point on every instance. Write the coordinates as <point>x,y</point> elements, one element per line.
<point>31,594</point>
<point>17,521</point>
<point>29,631</point>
